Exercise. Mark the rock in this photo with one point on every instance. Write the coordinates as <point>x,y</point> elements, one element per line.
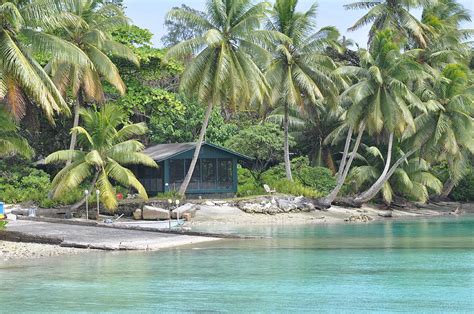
<point>186,208</point>
<point>209,203</point>
<point>385,213</point>
<point>11,217</point>
<point>154,213</point>
<point>137,214</point>
<point>286,205</point>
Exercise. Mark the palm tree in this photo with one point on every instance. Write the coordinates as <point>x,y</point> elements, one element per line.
<point>299,67</point>
<point>22,80</point>
<point>224,68</point>
<point>381,102</point>
<point>447,41</point>
<point>412,179</point>
<point>391,14</point>
<point>92,34</point>
<point>450,129</point>
<point>10,142</point>
<point>107,149</point>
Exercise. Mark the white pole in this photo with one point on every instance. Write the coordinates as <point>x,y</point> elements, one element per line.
<point>97,192</point>
<point>86,192</point>
<point>177,212</point>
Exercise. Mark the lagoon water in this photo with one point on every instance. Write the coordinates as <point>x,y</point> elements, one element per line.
<point>412,266</point>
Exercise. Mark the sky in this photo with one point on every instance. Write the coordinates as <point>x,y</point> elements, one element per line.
<point>150,14</point>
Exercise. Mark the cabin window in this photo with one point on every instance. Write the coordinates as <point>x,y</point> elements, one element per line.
<point>176,173</point>
<point>224,173</point>
<point>209,173</point>
<point>196,178</point>
<point>151,178</point>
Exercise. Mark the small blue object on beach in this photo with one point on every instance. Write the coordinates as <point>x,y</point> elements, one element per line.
<point>1,210</point>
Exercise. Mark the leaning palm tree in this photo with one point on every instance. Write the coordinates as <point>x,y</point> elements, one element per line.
<point>393,14</point>
<point>450,129</point>
<point>107,149</point>
<point>22,80</point>
<point>412,180</point>
<point>381,103</point>
<point>299,68</point>
<point>11,143</point>
<point>93,36</point>
<point>223,69</point>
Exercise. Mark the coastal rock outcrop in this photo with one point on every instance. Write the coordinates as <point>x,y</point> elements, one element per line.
<point>276,204</point>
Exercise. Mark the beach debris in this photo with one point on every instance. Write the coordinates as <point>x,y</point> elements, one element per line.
<point>358,218</point>
<point>457,211</point>
<point>155,213</point>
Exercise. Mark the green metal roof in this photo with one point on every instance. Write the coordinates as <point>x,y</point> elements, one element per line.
<point>162,152</point>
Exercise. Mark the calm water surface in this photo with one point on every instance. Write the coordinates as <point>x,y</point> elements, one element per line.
<point>418,266</point>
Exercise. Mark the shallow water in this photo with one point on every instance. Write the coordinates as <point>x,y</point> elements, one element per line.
<point>414,266</point>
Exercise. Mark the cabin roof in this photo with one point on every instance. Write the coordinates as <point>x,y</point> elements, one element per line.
<point>162,152</point>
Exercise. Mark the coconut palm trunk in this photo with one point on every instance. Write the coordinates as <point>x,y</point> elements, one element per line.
<point>91,188</point>
<point>77,106</point>
<point>197,150</point>
<point>287,146</point>
<point>447,188</point>
<point>386,174</point>
<point>344,167</point>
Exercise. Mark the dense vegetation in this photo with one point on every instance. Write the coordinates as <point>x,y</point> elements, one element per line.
<point>321,117</point>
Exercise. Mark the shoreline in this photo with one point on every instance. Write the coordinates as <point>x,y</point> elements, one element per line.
<point>209,217</point>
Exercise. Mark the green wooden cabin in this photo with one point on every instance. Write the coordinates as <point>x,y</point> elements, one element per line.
<point>215,172</point>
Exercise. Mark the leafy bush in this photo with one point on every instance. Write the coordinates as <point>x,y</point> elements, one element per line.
<point>247,184</point>
<point>318,179</point>
<point>464,191</point>
<point>20,183</point>
<point>295,188</point>
<point>3,223</point>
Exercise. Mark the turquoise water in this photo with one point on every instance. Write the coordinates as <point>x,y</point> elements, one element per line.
<point>422,266</point>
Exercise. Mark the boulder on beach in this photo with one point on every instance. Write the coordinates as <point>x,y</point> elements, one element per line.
<point>137,214</point>
<point>154,213</point>
<point>186,208</point>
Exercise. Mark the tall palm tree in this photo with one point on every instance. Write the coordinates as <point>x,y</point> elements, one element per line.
<point>224,67</point>
<point>451,128</point>
<point>107,149</point>
<point>381,103</point>
<point>392,14</point>
<point>299,67</point>
<point>10,142</point>
<point>22,80</point>
<point>93,36</point>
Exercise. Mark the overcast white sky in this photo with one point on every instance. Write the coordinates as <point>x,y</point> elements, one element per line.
<point>150,14</point>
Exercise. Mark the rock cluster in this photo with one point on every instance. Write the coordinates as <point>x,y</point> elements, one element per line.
<point>275,205</point>
<point>149,212</point>
<point>359,218</point>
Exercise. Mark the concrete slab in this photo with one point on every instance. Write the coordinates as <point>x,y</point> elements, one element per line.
<point>102,237</point>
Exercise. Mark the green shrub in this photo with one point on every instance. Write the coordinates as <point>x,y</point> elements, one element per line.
<point>3,223</point>
<point>464,191</point>
<point>316,179</point>
<point>295,188</point>
<point>20,183</point>
<point>247,184</point>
